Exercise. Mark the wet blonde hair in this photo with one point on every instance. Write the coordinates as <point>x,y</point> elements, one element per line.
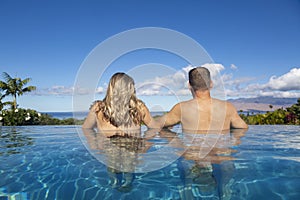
<point>120,106</point>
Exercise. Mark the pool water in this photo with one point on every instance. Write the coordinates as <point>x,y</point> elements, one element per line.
<point>55,162</point>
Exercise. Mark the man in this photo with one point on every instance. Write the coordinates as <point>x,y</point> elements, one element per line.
<point>202,113</point>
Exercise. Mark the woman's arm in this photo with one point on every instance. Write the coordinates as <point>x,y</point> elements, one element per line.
<point>148,120</point>
<point>90,121</point>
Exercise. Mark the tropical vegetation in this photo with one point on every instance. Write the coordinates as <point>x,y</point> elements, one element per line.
<point>290,115</point>
<point>23,117</point>
<point>2,104</point>
<point>15,116</point>
<point>14,87</point>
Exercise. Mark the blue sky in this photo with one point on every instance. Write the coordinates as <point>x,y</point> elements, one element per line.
<point>255,45</point>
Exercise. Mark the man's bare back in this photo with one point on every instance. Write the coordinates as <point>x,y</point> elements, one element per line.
<point>202,113</point>
<point>197,115</point>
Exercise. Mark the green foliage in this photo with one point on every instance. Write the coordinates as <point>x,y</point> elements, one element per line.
<point>2,104</point>
<point>23,117</point>
<point>280,116</point>
<point>17,117</point>
<point>14,87</point>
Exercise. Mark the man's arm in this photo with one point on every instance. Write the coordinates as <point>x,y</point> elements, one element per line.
<point>236,121</point>
<point>147,118</point>
<point>172,117</point>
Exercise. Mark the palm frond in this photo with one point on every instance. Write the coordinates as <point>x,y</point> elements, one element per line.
<point>3,85</point>
<point>14,87</point>
<point>6,77</point>
<point>7,103</point>
<point>29,89</point>
<point>25,81</point>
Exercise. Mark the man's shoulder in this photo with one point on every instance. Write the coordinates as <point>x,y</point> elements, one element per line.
<point>184,104</point>
<point>221,101</point>
<point>229,106</point>
<point>187,102</point>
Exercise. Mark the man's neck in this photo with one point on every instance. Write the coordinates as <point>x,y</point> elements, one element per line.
<point>202,95</point>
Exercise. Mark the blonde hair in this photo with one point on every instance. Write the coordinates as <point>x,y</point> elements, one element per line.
<point>120,106</point>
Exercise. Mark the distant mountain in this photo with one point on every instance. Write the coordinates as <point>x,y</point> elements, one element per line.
<point>262,103</point>
<point>267,100</point>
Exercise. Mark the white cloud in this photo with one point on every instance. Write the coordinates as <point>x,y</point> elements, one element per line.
<point>147,92</point>
<point>165,85</point>
<point>233,67</point>
<point>214,69</point>
<point>59,90</point>
<point>284,86</point>
<point>148,89</point>
<point>187,69</point>
<point>176,83</point>
<point>286,82</point>
<point>182,92</point>
<point>99,90</point>
<point>280,94</point>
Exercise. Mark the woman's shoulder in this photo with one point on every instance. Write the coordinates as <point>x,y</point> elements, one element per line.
<point>97,106</point>
<point>140,103</point>
<point>141,107</point>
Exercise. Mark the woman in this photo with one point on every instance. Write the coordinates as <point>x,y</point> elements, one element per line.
<point>120,111</point>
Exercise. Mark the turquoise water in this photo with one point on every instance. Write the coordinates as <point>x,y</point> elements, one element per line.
<point>55,162</point>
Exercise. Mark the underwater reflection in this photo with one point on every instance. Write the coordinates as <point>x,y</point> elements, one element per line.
<point>120,154</point>
<point>207,162</point>
<point>12,141</point>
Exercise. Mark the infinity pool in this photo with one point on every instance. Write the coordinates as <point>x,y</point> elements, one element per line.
<point>55,162</point>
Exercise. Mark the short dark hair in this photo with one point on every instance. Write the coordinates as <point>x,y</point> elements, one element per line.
<point>199,78</point>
